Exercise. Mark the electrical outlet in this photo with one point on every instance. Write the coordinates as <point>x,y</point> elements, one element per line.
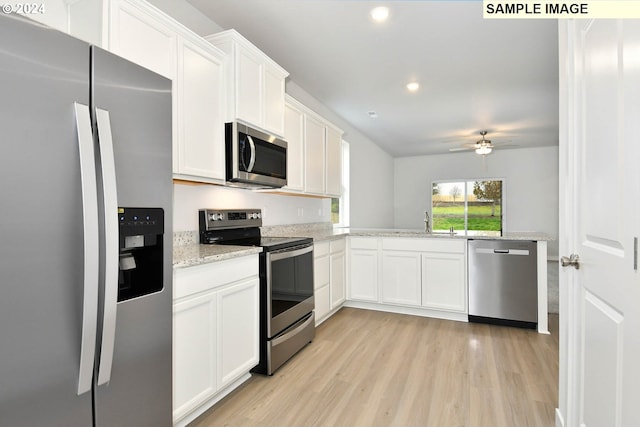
<point>300,212</point>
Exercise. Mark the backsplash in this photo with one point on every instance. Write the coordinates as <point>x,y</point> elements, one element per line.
<point>183,238</point>
<point>276,208</point>
<point>295,229</point>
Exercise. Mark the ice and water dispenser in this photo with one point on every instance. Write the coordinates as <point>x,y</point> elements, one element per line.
<point>141,252</point>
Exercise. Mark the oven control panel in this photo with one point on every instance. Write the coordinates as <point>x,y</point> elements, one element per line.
<point>216,219</point>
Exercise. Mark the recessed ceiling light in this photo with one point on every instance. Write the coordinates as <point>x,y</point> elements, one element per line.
<point>380,14</point>
<point>372,114</point>
<point>413,86</point>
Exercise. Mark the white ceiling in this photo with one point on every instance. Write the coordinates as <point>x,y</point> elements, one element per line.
<point>475,74</point>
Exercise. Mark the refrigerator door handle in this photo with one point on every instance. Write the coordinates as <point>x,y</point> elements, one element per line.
<point>91,247</point>
<point>111,235</point>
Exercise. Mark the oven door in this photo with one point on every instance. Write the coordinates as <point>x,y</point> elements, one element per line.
<point>255,158</point>
<point>289,287</point>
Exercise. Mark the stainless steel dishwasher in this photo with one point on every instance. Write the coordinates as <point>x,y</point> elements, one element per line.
<point>503,282</point>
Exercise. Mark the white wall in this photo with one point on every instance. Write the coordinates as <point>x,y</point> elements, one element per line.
<point>531,186</point>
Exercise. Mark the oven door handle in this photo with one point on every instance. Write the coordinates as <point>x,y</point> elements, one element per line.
<point>293,332</point>
<point>275,256</point>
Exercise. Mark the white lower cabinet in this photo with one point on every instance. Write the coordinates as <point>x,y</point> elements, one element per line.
<point>401,278</point>
<point>321,280</point>
<point>443,281</point>
<point>363,269</point>
<point>338,258</point>
<point>215,332</point>
<point>329,274</point>
<point>411,275</point>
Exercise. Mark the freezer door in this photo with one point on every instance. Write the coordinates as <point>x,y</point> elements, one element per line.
<point>43,73</point>
<point>137,391</point>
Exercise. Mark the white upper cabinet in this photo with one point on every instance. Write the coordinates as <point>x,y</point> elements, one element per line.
<point>142,34</point>
<point>255,89</point>
<point>199,152</point>
<point>333,158</point>
<point>132,29</point>
<point>139,32</point>
<point>314,166</point>
<point>294,135</point>
<point>314,151</point>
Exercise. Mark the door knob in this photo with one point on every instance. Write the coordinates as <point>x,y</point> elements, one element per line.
<point>572,261</point>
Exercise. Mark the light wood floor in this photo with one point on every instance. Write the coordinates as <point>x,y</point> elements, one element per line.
<point>368,368</point>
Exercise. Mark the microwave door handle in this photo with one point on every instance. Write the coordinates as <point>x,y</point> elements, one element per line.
<point>91,248</point>
<point>252,162</point>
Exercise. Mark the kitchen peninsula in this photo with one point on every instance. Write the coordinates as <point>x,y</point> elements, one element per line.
<point>407,270</point>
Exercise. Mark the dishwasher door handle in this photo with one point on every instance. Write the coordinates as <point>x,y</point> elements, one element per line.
<point>492,251</point>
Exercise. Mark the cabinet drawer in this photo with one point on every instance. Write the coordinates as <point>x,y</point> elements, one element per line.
<point>338,245</point>
<point>320,249</point>
<point>199,278</point>
<point>363,242</point>
<point>425,245</point>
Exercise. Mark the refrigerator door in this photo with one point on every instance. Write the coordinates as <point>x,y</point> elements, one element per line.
<point>43,73</point>
<point>138,102</point>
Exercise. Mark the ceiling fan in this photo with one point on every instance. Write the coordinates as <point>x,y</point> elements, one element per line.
<point>481,147</point>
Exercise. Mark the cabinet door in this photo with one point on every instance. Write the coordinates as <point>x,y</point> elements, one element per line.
<point>443,281</point>
<point>334,162</point>
<point>314,168</point>
<point>194,355</point>
<point>248,94</point>
<point>273,101</point>
<point>200,122</point>
<point>363,277</point>
<point>237,330</point>
<point>294,135</point>
<point>401,278</point>
<point>137,32</point>
<point>321,280</point>
<point>338,273</point>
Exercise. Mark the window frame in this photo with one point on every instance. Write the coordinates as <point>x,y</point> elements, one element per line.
<point>466,182</point>
<point>343,200</point>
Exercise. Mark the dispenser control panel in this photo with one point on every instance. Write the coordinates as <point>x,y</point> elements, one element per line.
<point>141,252</point>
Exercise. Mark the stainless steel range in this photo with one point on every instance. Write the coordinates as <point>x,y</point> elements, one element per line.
<point>286,282</point>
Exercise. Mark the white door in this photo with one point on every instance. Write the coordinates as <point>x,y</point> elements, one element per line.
<point>600,184</point>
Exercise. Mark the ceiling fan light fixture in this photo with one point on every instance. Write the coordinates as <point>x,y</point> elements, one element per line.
<point>483,150</point>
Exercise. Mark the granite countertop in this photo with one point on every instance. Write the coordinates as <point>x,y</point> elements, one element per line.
<point>329,233</point>
<point>188,252</point>
<point>196,254</point>
<point>373,232</point>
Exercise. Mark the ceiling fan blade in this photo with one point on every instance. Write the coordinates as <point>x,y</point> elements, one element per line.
<point>461,149</point>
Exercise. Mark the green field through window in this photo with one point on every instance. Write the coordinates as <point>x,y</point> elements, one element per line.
<point>471,206</point>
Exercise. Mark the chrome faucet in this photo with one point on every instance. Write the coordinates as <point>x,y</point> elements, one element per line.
<point>427,223</point>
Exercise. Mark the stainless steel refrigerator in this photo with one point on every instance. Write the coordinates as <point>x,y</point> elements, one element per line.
<point>85,234</point>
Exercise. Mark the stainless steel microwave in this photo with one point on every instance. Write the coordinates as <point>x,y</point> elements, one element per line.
<point>254,158</point>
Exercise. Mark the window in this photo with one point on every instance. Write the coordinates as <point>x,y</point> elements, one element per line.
<point>475,206</point>
<point>340,206</point>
